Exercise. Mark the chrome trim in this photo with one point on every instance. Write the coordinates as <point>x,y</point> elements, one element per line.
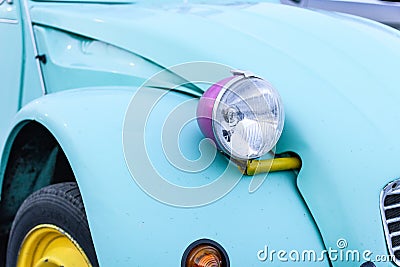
<point>9,21</point>
<point>393,220</point>
<point>244,73</point>
<point>35,50</point>
<point>392,206</point>
<point>395,234</point>
<point>389,189</point>
<point>394,192</point>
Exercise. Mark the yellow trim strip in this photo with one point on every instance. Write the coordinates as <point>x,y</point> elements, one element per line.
<point>271,165</point>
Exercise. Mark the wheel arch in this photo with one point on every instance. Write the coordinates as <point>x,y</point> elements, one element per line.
<point>32,159</point>
<point>61,125</point>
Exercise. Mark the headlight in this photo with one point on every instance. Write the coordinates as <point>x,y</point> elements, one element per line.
<point>243,114</point>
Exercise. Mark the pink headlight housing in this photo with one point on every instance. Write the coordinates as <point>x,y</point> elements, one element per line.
<point>243,114</point>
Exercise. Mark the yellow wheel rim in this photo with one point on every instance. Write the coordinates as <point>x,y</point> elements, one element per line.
<point>47,245</point>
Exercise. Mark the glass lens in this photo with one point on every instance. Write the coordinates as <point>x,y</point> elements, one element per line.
<point>248,119</point>
<point>204,256</point>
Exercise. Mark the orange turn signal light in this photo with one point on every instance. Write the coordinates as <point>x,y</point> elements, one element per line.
<point>204,256</point>
<point>205,253</point>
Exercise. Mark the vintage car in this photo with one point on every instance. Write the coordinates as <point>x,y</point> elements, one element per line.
<point>197,133</point>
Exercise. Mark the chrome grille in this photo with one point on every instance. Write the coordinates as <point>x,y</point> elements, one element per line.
<point>390,211</point>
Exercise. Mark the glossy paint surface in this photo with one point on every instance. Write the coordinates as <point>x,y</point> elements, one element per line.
<point>122,216</point>
<point>11,49</point>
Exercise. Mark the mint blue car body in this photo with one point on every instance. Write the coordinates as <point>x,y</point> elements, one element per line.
<point>338,78</point>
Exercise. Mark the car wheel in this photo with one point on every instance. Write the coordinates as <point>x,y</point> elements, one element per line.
<point>51,229</point>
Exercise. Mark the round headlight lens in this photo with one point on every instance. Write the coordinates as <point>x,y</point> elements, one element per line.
<point>247,116</point>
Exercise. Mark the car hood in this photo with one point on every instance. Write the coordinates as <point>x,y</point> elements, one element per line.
<point>337,76</point>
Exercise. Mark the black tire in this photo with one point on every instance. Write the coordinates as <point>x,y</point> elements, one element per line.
<point>60,205</point>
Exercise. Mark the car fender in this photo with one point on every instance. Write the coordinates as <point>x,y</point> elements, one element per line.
<point>130,227</point>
